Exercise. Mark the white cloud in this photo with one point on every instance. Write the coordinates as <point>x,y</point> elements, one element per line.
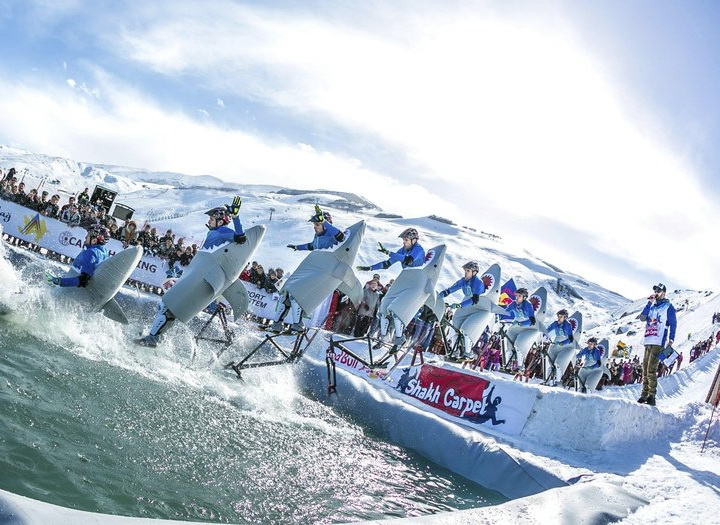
<point>509,115</point>
<point>71,82</point>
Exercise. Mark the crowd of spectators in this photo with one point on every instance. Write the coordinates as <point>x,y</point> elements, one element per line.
<point>80,211</point>
<point>702,347</point>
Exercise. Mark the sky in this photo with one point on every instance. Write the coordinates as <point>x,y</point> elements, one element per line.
<point>584,131</point>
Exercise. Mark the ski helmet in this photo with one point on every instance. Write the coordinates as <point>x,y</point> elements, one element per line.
<point>562,312</point>
<point>410,233</point>
<point>471,265</point>
<point>592,340</point>
<point>99,233</point>
<point>522,291</point>
<point>219,214</point>
<point>318,217</point>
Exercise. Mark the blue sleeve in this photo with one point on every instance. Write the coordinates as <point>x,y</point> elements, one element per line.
<point>238,226</point>
<point>672,321</point>
<point>552,327</point>
<point>225,234</point>
<point>478,287</point>
<point>305,246</point>
<point>86,261</point>
<point>529,309</point>
<point>453,288</point>
<point>418,255</point>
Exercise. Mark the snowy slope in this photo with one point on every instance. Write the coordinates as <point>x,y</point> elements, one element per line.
<point>178,201</point>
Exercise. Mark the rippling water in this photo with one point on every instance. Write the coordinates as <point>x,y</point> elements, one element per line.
<point>88,421</point>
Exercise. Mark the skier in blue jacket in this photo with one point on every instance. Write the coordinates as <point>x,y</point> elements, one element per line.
<point>411,255</point>
<point>591,370</point>
<point>560,333</point>
<point>91,255</point>
<point>521,311</point>
<point>326,235</point>
<point>472,287</point>
<point>218,235</point>
<point>660,326</point>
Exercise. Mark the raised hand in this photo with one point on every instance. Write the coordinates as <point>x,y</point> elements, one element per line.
<point>234,208</point>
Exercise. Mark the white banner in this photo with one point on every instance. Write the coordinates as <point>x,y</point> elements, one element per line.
<point>51,234</point>
<point>262,303</point>
<point>477,400</point>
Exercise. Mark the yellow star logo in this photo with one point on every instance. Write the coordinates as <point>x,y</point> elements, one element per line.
<point>33,226</point>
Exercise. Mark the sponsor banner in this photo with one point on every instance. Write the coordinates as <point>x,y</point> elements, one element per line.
<point>470,398</point>
<point>262,303</point>
<point>349,363</point>
<point>29,225</point>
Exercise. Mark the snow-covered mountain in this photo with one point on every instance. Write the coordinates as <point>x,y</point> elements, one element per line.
<point>177,201</point>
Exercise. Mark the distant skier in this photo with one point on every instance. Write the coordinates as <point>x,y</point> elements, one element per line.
<point>560,333</point>
<point>410,255</point>
<point>660,326</point>
<point>218,235</point>
<point>472,288</point>
<point>92,254</point>
<point>519,312</point>
<point>326,236</point>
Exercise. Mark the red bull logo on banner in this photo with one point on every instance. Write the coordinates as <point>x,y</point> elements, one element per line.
<point>33,226</point>
<point>507,293</point>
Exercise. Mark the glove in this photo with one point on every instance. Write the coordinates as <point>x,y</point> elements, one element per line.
<point>382,249</point>
<point>444,293</point>
<point>234,208</point>
<point>363,268</point>
<point>319,213</point>
<point>532,320</point>
<point>51,279</point>
<point>240,239</point>
<point>455,306</point>
<point>292,246</point>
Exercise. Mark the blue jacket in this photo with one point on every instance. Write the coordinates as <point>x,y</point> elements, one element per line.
<point>327,239</point>
<point>222,234</point>
<point>411,258</point>
<point>563,332</point>
<point>86,262</point>
<point>519,314</point>
<point>472,289</point>
<point>659,319</point>
<point>591,356</point>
